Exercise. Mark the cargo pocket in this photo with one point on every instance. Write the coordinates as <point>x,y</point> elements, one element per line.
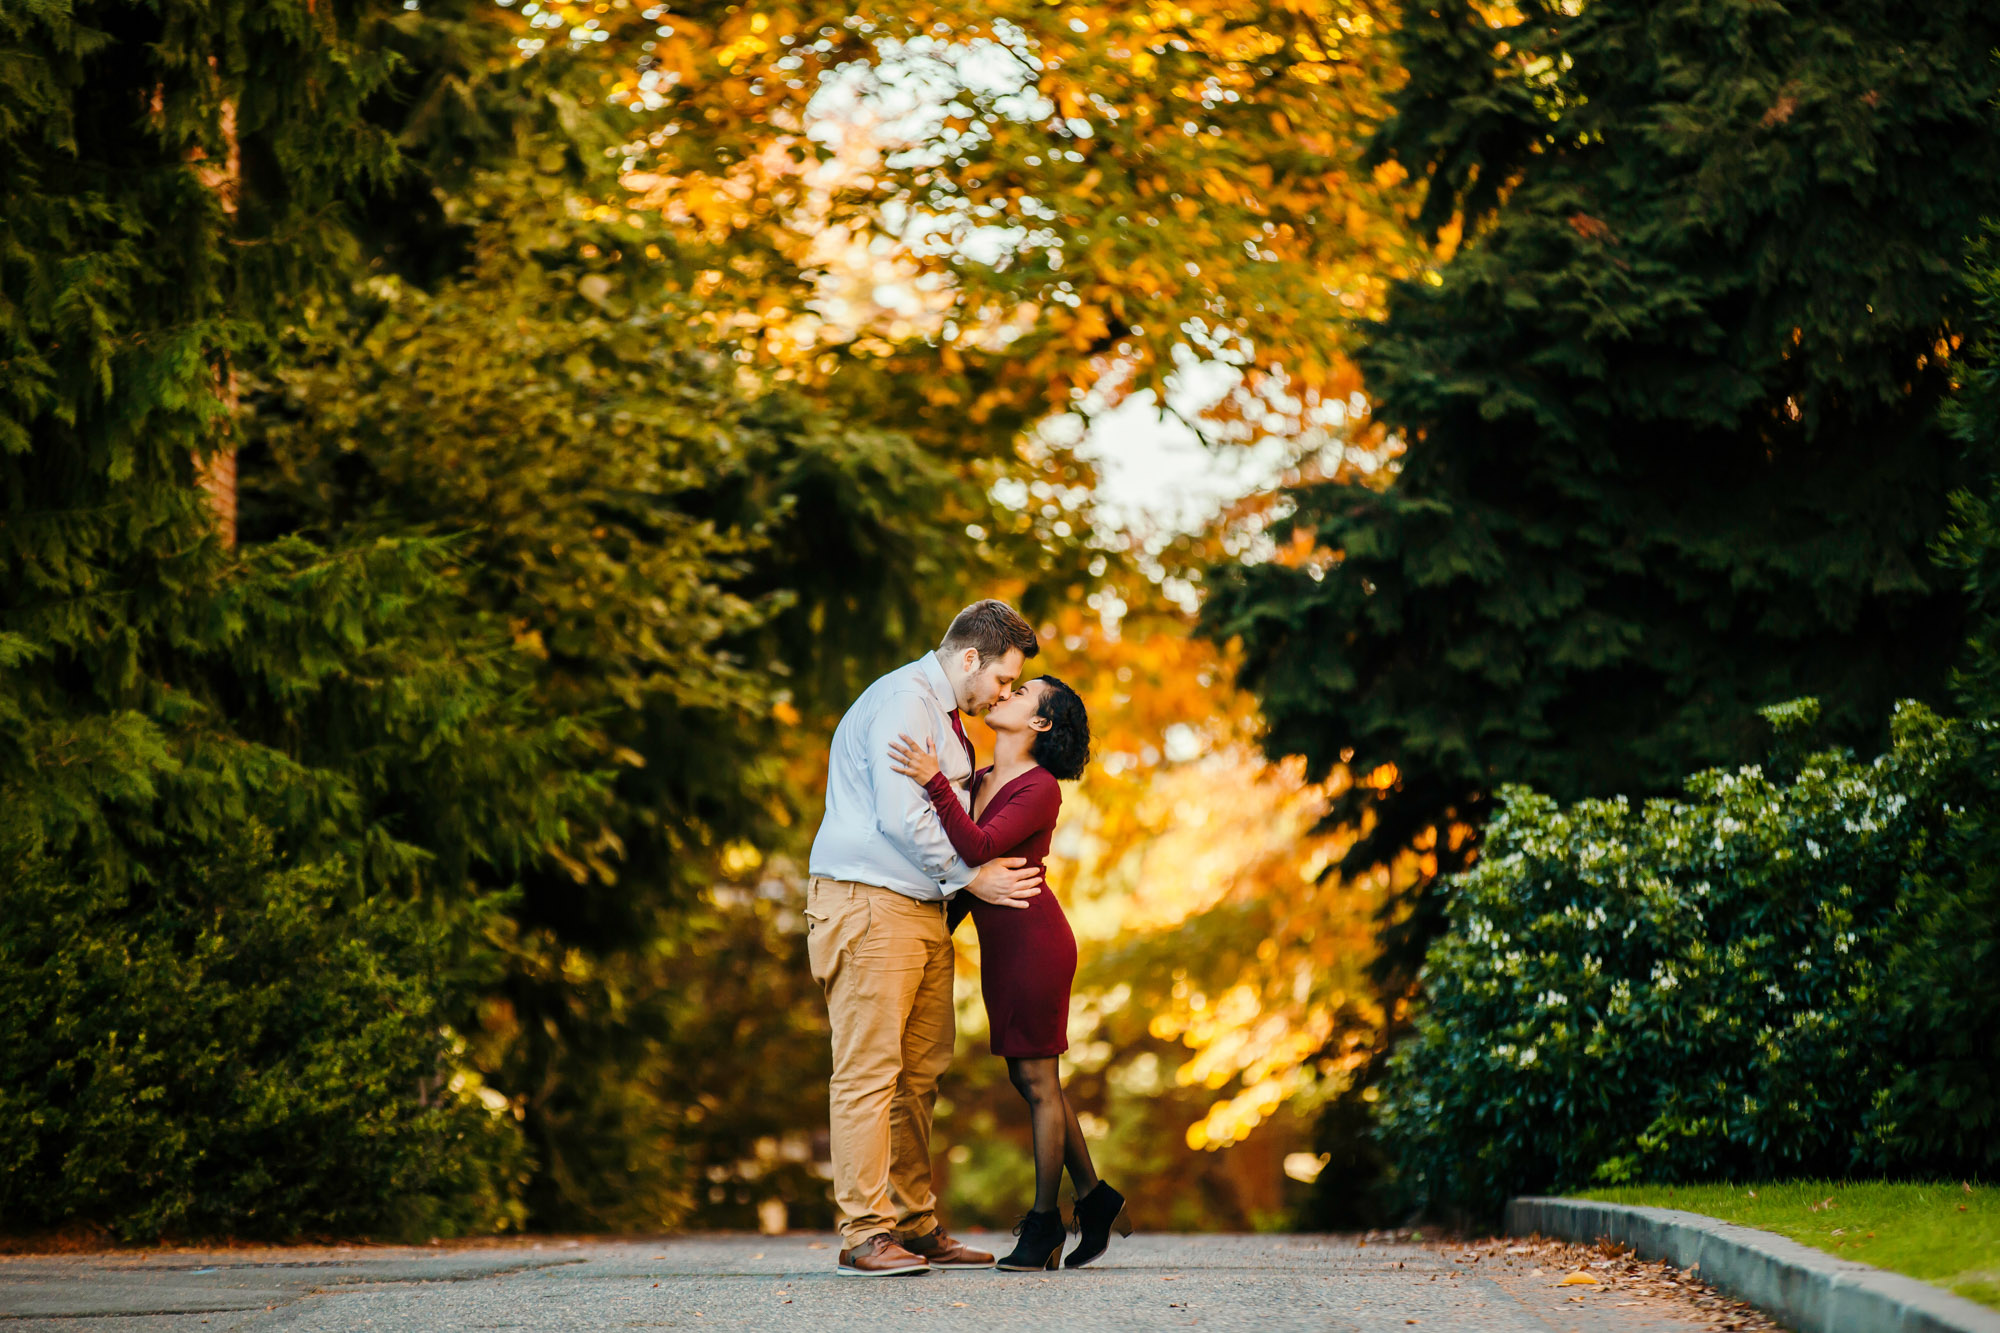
<point>820,947</point>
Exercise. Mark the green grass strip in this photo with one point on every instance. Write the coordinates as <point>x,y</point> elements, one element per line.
<point>1941,1233</point>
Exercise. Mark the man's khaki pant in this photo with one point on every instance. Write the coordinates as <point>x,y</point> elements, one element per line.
<point>885,962</point>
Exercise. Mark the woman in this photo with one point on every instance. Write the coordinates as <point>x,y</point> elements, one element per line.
<point>1027,955</point>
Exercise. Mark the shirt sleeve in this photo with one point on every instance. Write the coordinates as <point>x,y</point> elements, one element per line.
<point>903,812</point>
<point>1023,812</point>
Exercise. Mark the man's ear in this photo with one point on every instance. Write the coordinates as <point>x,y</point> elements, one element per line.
<point>968,661</point>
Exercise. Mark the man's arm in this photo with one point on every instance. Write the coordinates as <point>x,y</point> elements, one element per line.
<point>903,812</point>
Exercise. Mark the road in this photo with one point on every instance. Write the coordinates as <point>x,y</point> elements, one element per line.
<point>788,1283</point>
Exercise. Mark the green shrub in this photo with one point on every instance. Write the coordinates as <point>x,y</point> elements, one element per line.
<point>236,1049</point>
<point>1731,985</point>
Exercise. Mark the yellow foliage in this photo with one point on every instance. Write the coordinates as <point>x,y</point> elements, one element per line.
<point>1142,141</point>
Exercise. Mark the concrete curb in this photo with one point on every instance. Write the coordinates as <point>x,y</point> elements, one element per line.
<point>1809,1290</point>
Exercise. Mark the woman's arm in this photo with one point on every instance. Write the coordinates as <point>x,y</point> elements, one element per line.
<point>1027,811</point>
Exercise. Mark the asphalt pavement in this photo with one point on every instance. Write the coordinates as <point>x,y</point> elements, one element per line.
<point>788,1283</point>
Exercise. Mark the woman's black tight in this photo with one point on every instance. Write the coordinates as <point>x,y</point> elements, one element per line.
<point>1058,1137</point>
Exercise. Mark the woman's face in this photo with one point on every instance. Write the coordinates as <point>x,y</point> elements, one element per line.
<point>1017,711</point>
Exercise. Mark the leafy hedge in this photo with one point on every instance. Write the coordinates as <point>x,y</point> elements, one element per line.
<point>1740,983</point>
<point>234,1050</point>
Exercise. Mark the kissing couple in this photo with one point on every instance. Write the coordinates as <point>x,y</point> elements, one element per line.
<point>916,837</point>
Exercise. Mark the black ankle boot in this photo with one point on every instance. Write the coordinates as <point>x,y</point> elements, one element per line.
<point>1040,1245</point>
<point>1098,1214</point>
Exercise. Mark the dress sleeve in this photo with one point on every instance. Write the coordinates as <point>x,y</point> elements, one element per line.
<point>1024,812</point>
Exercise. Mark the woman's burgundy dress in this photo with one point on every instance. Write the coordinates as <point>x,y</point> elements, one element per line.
<point>1027,956</point>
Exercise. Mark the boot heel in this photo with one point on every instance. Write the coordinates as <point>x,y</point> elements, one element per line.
<point>1055,1259</point>
<point>1098,1214</point>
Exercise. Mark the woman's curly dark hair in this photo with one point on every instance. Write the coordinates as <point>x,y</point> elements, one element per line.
<point>1065,747</point>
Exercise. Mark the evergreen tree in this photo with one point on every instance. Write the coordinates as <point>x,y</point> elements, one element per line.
<point>258,811</point>
<point>1670,412</point>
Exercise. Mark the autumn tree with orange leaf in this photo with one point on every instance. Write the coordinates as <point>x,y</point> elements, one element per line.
<point>731,334</point>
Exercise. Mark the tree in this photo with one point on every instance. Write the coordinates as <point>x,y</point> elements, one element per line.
<point>257,811</point>
<point>1069,198</point>
<point>1670,414</point>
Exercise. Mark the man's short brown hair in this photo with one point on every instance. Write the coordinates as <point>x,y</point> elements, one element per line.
<point>991,627</point>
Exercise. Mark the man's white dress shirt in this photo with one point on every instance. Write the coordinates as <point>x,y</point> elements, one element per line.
<point>879,827</point>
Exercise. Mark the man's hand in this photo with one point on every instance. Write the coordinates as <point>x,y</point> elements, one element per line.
<point>1006,881</point>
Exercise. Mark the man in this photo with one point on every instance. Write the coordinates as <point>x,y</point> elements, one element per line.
<point>881,871</point>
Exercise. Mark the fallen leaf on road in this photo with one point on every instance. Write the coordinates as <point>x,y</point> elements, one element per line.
<point>1577,1280</point>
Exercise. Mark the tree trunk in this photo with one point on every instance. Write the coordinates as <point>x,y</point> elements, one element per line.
<point>217,471</point>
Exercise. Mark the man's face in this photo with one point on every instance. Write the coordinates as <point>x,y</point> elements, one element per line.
<point>989,684</point>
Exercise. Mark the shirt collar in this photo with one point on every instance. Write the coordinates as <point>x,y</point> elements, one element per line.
<point>933,673</point>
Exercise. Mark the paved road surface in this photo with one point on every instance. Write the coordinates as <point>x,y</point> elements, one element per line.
<point>788,1283</point>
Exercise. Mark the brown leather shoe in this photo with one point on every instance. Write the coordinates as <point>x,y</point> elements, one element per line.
<point>879,1256</point>
<point>944,1252</point>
